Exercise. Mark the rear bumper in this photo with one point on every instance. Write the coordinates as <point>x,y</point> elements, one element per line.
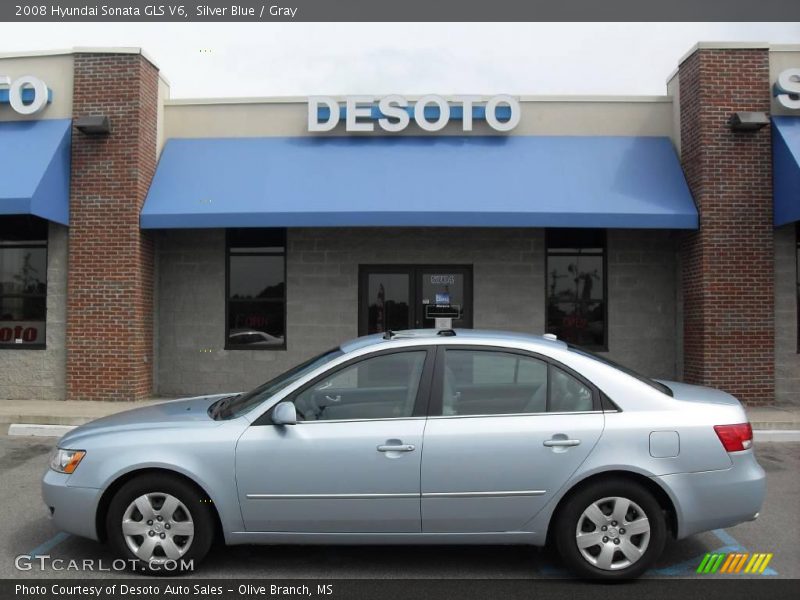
<point>72,508</point>
<point>716,499</point>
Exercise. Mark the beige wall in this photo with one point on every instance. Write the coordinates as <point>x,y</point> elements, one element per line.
<point>163,97</point>
<point>647,116</point>
<point>55,71</point>
<point>674,92</point>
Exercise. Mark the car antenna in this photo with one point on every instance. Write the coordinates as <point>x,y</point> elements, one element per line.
<point>389,334</point>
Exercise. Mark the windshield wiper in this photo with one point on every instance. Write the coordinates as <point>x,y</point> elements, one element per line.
<point>215,410</point>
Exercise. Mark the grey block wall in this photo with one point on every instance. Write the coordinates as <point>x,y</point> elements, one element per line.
<point>787,359</point>
<point>643,301</point>
<point>322,288</point>
<point>41,374</point>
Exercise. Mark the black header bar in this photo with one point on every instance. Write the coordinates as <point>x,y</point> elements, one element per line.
<point>405,10</point>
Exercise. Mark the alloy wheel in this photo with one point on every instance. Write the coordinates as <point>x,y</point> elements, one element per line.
<point>157,527</point>
<point>612,533</point>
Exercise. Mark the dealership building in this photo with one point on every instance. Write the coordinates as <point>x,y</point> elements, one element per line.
<point>152,246</point>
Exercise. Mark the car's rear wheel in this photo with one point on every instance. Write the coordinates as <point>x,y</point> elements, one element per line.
<point>160,524</point>
<point>611,529</point>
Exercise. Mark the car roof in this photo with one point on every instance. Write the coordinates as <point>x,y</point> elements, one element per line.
<point>452,336</point>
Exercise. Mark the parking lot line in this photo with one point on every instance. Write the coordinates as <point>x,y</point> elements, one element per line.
<point>49,544</point>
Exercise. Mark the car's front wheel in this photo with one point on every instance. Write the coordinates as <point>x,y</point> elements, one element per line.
<point>160,524</point>
<point>613,529</point>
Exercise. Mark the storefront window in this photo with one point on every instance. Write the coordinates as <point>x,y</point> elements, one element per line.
<point>576,286</point>
<point>23,281</point>
<point>256,312</point>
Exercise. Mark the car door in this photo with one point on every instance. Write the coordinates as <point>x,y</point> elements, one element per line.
<point>352,462</point>
<point>506,431</point>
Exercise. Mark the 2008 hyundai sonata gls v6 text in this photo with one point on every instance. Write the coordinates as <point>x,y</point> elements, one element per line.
<point>419,437</point>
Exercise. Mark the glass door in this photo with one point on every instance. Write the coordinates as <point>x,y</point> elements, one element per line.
<point>397,297</point>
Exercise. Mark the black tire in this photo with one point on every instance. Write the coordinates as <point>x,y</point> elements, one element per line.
<point>569,517</point>
<point>199,511</point>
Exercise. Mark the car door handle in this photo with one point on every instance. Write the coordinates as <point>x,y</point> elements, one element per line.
<point>396,448</point>
<point>551,443</point>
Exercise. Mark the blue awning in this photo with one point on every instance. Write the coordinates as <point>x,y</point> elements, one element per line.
<point>458,181</point>
<point>786,169</point>
<point>35,168</point>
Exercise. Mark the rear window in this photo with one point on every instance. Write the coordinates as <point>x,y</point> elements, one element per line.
<point>664,389</point>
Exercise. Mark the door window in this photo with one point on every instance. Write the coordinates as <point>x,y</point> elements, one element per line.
<point>488,382</point>
<point>478,382</point>
<point>382,387</point>
<point>388,302</point>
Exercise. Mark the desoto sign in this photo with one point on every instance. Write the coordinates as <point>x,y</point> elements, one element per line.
<point>27,95</point>
<point>393,113</point>
<point>787,88</point>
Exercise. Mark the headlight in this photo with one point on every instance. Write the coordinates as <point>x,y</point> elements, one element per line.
<point>66,461</point>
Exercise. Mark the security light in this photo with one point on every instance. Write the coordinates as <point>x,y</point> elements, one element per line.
<point>748,121</point>
<point>93,125</point>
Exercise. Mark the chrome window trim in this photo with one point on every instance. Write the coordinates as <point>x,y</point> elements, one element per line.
<point>419,418</point>
<point>536,414</point>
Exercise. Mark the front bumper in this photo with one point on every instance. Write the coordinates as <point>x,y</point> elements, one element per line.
<point>73,509</point>
<point>717,499</point>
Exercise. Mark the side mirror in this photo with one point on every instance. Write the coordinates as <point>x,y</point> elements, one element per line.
<point>284,414</point>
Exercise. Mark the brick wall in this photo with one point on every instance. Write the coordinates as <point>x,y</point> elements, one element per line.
<point>110,279</point>
<point>728,271</point>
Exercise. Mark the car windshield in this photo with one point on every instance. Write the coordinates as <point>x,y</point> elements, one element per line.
<point>651,382</point>
<point>235,406</point>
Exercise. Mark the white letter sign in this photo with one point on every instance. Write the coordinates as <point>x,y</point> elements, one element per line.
<point>394,112</point>
<point>788,85</point>
<point>41,95</point>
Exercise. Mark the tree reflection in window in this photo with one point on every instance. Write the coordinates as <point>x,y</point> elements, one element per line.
<point>576,286</point>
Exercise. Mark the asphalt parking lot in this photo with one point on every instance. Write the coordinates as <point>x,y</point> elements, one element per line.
<point>25,529</point>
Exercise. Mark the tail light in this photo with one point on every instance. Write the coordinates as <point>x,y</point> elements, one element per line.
<point>735,438</point>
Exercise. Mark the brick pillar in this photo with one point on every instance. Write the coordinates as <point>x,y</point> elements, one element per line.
<point>728,279</point>
<point>110,277</point>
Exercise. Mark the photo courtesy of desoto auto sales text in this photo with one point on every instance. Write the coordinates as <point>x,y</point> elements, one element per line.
<point>419,301</point>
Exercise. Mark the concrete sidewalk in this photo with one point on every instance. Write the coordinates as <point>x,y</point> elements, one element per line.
<point>56,412</point>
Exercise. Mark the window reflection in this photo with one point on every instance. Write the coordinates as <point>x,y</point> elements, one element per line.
<point>576,302</point>
<point>23,280</point>
<point>256,288</point>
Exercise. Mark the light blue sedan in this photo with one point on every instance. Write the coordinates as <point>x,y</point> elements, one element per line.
<point>418,437</point>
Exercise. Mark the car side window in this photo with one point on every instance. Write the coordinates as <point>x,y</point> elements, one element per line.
<point>380,387</point>
<point>568,394</point>
<point>480,382</point>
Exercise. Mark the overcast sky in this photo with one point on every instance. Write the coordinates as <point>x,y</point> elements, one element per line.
<point>233,59</point>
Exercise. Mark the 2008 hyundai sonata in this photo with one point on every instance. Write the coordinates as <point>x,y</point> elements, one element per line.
<point>419,437</point>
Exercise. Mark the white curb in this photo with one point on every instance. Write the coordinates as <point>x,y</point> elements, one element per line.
<point>39,429</point>
<point>776,435</point>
